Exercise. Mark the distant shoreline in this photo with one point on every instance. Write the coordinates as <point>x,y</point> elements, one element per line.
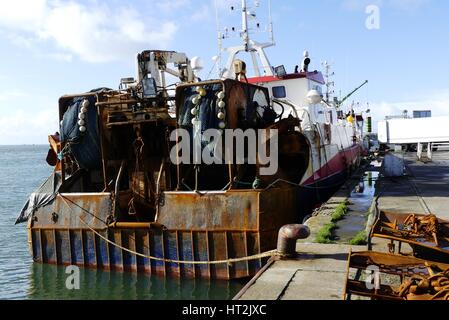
<point>23,145</point>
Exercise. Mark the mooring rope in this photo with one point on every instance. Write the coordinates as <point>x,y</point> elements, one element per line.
<point>227,261</point>
<point>65,199</point>
<point>266,254</point>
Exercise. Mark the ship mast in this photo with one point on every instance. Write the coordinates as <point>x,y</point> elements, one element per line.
<point>329,84</point>
<point>254,48</point>
<point>245,34</point>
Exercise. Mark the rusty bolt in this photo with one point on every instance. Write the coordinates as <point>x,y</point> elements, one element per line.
<point>287,237</point>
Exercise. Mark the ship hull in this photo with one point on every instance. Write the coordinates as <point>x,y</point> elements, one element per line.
<point>323,183</point>
<point>86,248</point>
<point>316,193</point>
<point>239,224</point>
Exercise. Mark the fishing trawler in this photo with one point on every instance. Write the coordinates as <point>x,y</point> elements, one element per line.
<point>335,137</point>
<point>128,193</point>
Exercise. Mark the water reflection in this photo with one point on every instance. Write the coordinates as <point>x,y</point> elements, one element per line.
<point>363,194</point>
<point>361,199</point>
<point>48,282</point>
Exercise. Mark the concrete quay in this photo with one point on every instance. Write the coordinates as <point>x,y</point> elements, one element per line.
<point>430,180</point>
<point>319,271</point>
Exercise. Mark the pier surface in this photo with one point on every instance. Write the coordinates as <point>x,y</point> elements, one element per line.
<point>319,272</point>
<point>430,180</point>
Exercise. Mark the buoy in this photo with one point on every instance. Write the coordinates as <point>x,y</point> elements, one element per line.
<point>222,125</point>
<point>82,129</point>
<point>221,115</point>
<point>202,92</point>
<point>196,99</point>
<point>257,183</point>
<point>85,103</point>
<point>221,95</point>
<point>81,116</point>
<point>221,104</point>
<point>350,119</point>
<point>81,123</point>
<point>194,111</point>
<point>83,109</point>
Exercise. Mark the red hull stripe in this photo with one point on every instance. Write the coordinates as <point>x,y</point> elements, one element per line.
<point>337,164</point>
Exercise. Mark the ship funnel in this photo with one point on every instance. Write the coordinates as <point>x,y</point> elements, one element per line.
<point>305,62</point>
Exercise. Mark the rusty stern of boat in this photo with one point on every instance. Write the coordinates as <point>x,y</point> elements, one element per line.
<point>117,201</point>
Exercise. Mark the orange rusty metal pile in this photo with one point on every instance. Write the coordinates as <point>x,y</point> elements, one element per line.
<point>423,273</point>
<point>419,279</point>
<point>435,287</point>
<point>423,226</point>
<point>426,234</point>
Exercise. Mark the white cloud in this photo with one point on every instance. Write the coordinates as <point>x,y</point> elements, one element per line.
<point>171,5</point>
<point>96,32</point>
<point>203,13</point>
<point>10,94</point>
<point>23,14</point>
<point>22,127</point>
<point>30,124</point>
<point>59,56</point>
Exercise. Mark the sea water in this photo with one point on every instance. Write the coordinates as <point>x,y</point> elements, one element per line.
<point>22,170</point>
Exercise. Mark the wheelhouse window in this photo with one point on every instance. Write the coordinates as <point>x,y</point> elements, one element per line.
<point>422,114</point>
<point>279,92</point>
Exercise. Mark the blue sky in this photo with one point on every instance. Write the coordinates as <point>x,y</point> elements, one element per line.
<point>50,48</point>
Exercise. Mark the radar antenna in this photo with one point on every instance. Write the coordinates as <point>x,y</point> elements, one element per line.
<point>254,48</point>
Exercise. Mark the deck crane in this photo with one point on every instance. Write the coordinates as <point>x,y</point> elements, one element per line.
<point>339,103</point>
